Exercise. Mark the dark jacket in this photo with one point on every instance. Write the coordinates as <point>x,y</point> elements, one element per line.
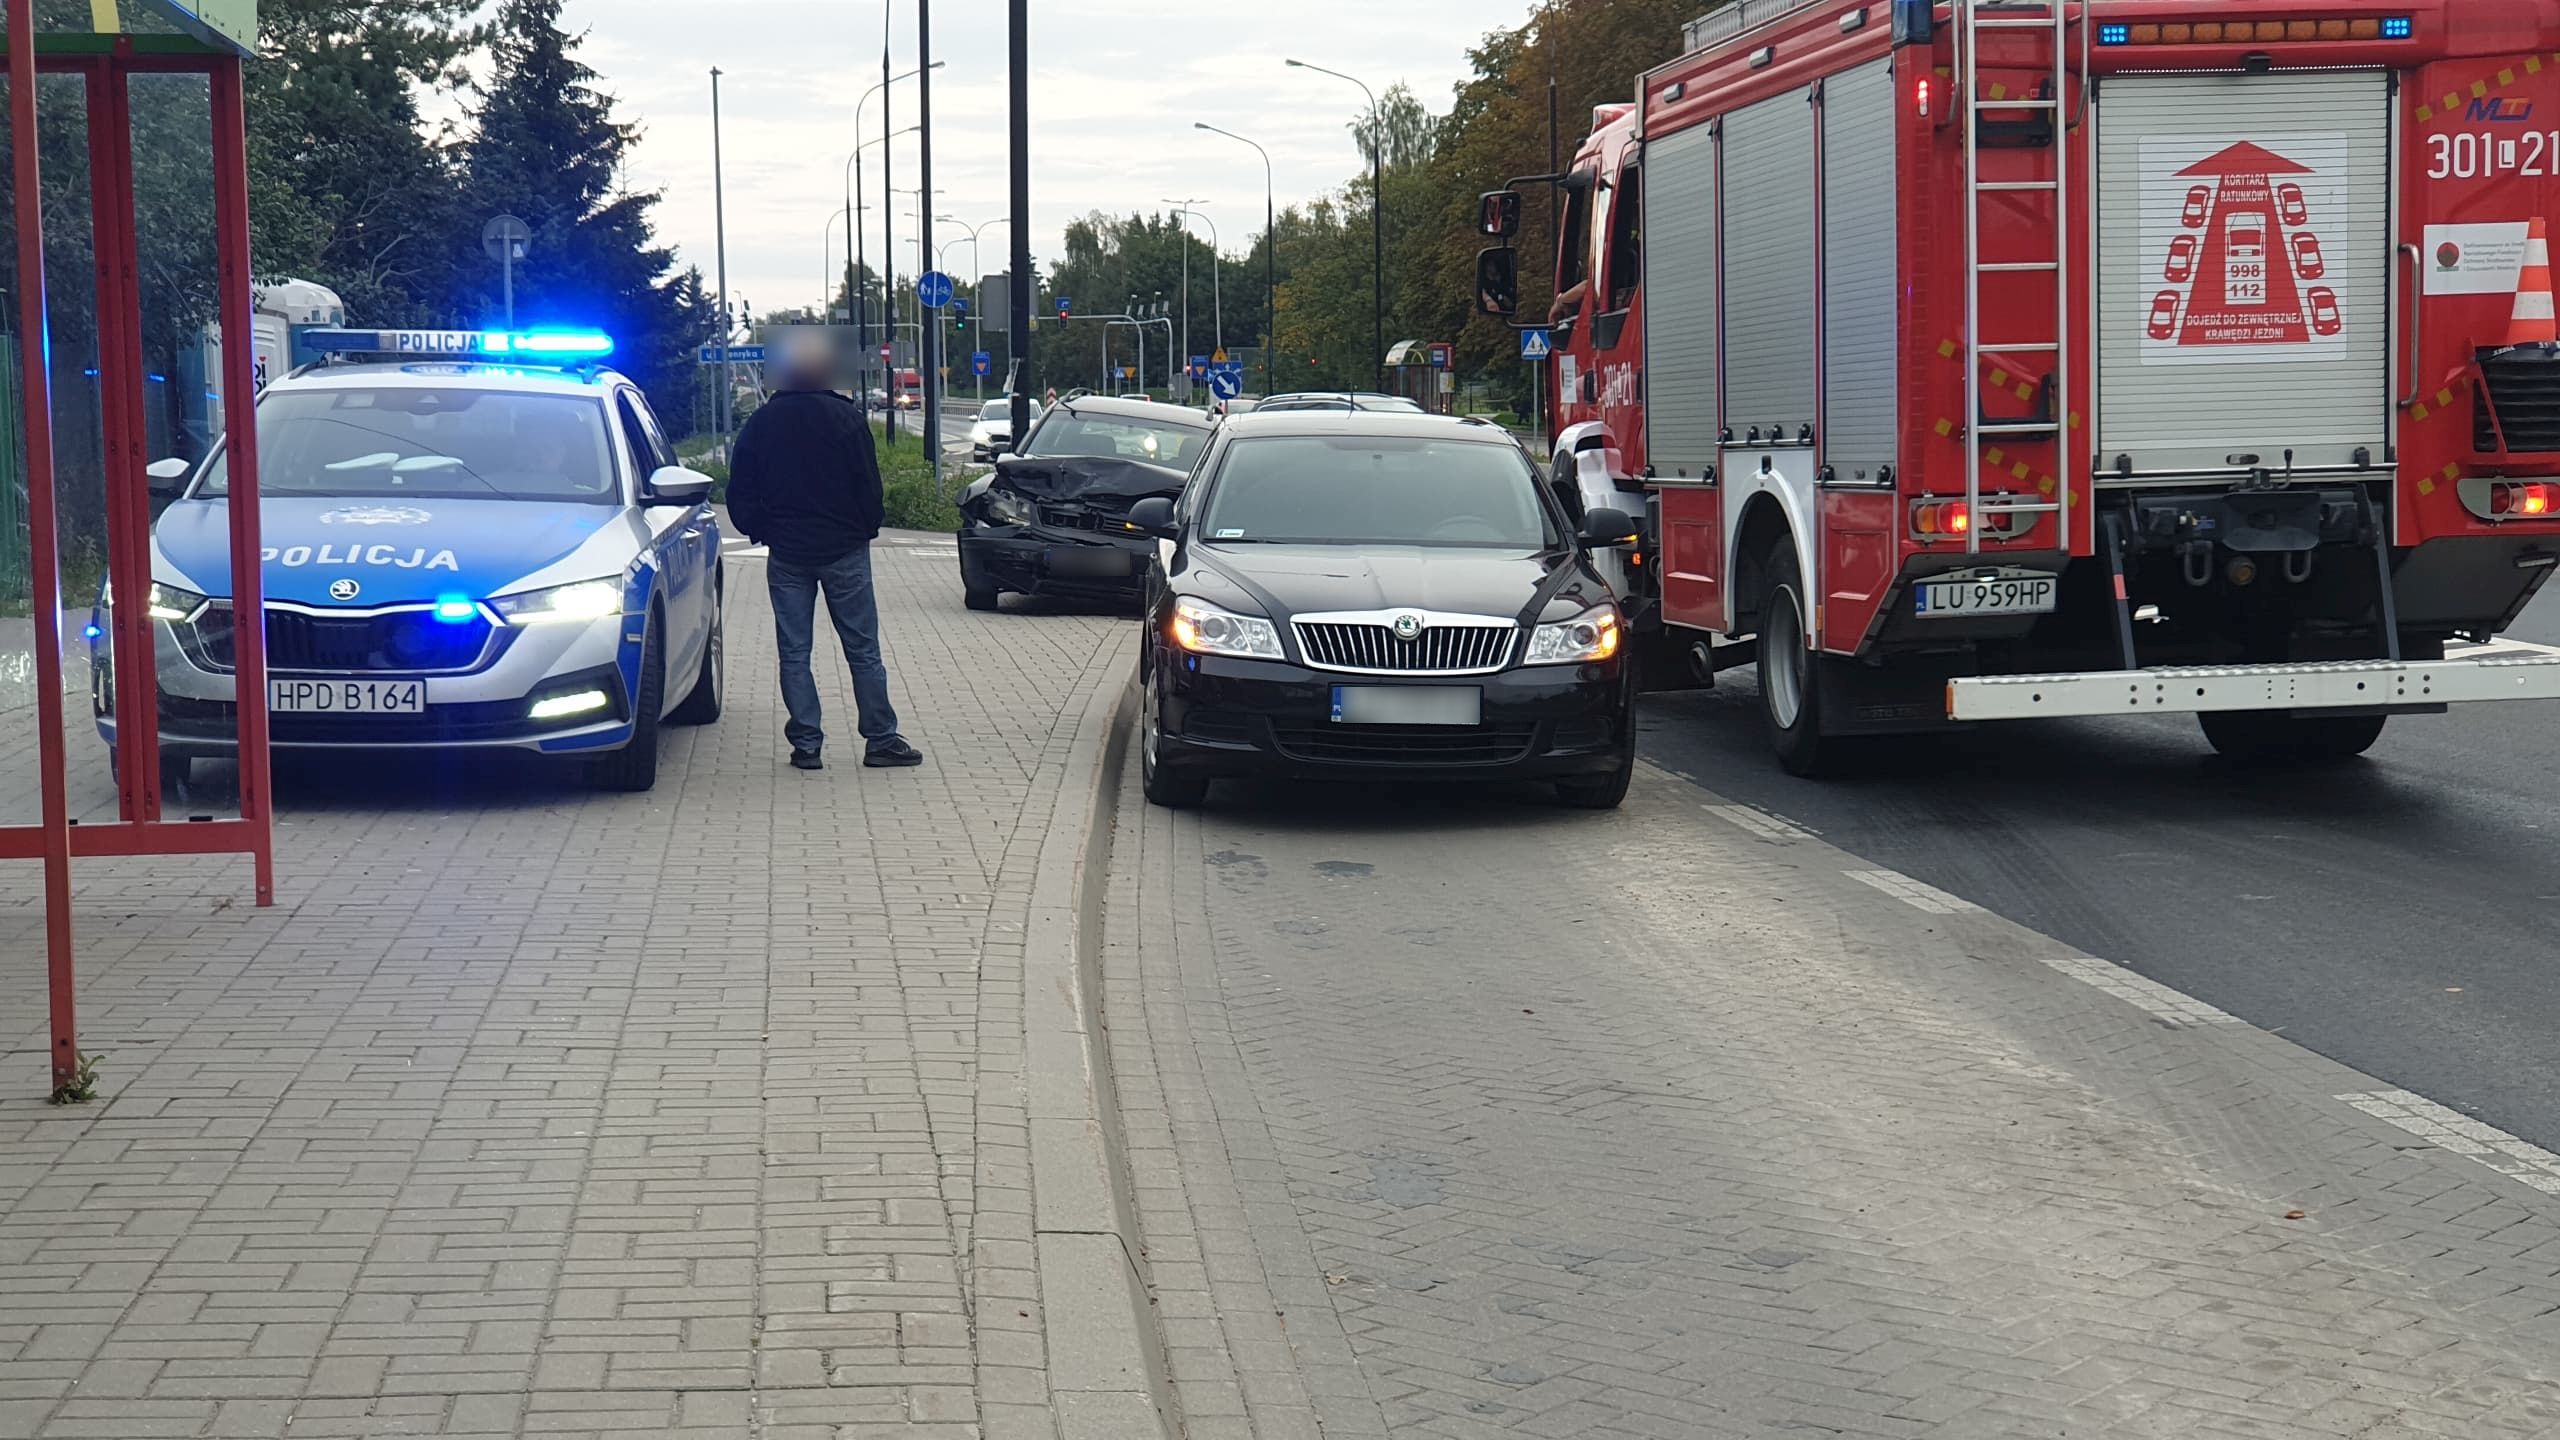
<point>804,480</point>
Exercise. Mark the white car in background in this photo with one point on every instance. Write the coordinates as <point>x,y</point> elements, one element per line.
<point>992,434</point>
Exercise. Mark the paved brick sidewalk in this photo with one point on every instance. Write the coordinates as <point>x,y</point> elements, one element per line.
<point>532,1111</point>
<point>1468,1118</point>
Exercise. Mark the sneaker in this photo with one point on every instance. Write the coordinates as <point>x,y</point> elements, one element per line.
<point>807,760</point>
<point>892,751</point>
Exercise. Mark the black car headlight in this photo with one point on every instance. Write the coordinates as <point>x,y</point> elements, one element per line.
<point>1595,634</point>
<point>1204,629</point>
<point>1006,508</point>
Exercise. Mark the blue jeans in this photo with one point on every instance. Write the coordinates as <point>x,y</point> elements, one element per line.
<point>856,613</point>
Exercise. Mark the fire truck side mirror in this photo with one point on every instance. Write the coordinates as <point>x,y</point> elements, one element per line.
<point>1498,214</point>
<point>1498,281</point>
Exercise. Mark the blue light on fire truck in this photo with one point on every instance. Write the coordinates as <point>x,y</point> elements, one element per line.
<point>2396,27</point>
<point>2115,34</point>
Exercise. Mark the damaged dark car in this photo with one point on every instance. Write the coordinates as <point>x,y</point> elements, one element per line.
<point>1054,519</point>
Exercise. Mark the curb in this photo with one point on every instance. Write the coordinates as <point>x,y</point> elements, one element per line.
<point>1107,1378</point>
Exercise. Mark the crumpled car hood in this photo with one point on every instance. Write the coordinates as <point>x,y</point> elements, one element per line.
<point>1086,477</point>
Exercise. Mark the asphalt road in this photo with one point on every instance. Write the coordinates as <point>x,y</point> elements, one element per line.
<point>2401,915</point>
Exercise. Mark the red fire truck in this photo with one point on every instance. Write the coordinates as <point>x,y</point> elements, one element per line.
<point>1989,360</point>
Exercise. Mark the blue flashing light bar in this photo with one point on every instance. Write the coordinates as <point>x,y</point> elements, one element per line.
<point>2115,34</point>
<point>2397,27</point>
<point>534,345</point>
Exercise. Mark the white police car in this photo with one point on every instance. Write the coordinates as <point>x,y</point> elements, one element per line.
<point>472,539</point>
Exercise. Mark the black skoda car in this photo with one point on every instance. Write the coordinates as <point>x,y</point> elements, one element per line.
<point>1363,595</point>
<point>1054,519</point>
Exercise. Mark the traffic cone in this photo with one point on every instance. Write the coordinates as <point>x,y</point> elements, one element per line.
<point>2533,323</point>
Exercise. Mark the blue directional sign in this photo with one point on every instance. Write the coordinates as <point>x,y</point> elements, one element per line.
<point>738,354</point>
<point>981,363</point>
<point>959,305</point>
<point>1064,306</point>
<point>1226,384</point>
<point>1535,345</point>
<point>934,289</point>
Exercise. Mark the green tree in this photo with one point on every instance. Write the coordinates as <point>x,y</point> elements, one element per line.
<point>547,148</point>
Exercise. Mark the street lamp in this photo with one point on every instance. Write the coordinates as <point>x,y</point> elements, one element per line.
<point>853,211</point>
<point>1377,210</point>
<point>1186,296</point>
<point>1270,257</point>
<point>1217,306</point>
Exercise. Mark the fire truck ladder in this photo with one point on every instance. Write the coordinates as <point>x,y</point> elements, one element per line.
<point>2045,126</point>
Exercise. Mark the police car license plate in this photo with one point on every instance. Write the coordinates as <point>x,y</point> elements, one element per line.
<point>347,697</point>
<point>2005,595</point>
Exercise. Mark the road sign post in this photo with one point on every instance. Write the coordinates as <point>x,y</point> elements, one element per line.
<point>934,289</point>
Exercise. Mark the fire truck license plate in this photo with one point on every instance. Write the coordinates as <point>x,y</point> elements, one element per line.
<point>347,697</point>
<point>1956,599</point>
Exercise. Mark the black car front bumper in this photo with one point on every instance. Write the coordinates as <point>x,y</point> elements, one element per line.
<point>1224,717</point>
<point>1032,560</point>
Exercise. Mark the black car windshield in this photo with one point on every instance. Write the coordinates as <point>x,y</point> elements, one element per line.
<point>1071,432</point>
<point>1376,490</point>
<point>417,443</point>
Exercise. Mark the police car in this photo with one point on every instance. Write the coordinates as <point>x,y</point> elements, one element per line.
<point>472,539</point>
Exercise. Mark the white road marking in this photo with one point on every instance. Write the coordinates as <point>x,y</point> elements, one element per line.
<point>1912,893</point>
<point>1775,830</point>
<point>2449,1129</point>
<point>2150,996</point>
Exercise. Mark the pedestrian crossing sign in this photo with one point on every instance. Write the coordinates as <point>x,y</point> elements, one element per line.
<point>1534,345</point>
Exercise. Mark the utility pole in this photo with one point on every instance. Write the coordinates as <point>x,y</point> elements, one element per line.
<point>928,334</point>
<point>1377,213</point>
<point>1019,292</point>
<point>1270,260</point>
<point>720,249</point>
<point>889,243</point>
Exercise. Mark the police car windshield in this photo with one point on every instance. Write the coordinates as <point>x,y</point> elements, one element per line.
<point>457,444</point>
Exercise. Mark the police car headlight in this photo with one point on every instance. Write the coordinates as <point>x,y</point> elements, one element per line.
<point>585,600</point>
<point>1591,635</point>
<point>168,602</point>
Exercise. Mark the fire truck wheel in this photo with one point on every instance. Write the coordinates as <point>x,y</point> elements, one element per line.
<point>1790,683</point>
<point>2260,737</point>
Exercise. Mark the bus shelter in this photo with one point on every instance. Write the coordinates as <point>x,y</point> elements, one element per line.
<point>115,366</point>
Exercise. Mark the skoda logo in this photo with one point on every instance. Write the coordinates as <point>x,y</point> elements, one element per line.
<point>1408,626</point>
<point>343,589</point>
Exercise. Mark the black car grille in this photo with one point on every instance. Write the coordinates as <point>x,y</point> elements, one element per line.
<point>1107,514</point>
<point>407,642</point>
<point>1375,647</point>
<point>2524,391</point>
<point>1419,745</point>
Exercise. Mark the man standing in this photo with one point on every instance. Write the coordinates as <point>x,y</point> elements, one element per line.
<point>804,482</point>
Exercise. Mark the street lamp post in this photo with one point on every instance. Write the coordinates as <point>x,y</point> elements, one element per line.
<point>1377,212</point>
<point>978,310</point>
<point>1217,304</point>
<point>1178,213</point>
<point>1270,258</point>
<point>854,209</point>
<point>720,248</point>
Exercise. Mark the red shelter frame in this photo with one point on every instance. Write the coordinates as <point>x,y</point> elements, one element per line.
<point>106,62</point>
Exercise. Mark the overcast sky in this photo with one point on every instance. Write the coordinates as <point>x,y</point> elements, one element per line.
<point>1115,87</point>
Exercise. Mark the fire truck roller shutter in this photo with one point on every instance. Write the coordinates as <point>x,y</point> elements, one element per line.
<point>1770,328</point>
<point>1859,333</point>
<point>2216,337</point>
<point>1680,304</point>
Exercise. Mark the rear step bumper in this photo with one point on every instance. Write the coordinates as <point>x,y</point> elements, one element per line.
<point>2323,685</point>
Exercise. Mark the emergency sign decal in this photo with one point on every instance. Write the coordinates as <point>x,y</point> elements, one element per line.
<point>2233,267</point>
<point>2476,259</point>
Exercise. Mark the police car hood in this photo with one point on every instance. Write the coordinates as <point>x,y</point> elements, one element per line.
<point>394,550</point>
